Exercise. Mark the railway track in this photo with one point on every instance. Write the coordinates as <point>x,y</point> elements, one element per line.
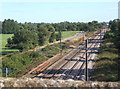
<point>79,74</point>
<point>47,64</point>
<point>70,71</point>
<point>61,63</point>
<point>66,67</point>
<point>52,69</point>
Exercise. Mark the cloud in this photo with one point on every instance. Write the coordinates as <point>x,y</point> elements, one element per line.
<point>59,0</point>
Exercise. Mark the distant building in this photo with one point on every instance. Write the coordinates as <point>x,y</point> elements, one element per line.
<point>119,9</point>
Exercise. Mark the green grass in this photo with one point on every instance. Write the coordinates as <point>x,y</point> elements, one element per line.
<point>3,39</point>
<point>106,66</point>
<point>67,34</point>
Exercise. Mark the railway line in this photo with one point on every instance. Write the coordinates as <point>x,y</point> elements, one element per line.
<point>72,65</point>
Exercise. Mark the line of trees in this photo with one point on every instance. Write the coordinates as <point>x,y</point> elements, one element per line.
<point>115,32</point>
<point>30,35</point>
<point>0,27</point>
<point>10,26</point>
<point>114,35</point>
<point>26,39</point>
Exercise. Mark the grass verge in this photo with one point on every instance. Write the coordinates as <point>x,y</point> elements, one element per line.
<point>106,65</point>
<point>22,63</point>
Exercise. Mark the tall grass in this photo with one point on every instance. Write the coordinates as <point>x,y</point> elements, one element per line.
<point>106,66</point>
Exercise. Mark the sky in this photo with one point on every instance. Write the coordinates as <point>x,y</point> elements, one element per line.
<point>51,11</point>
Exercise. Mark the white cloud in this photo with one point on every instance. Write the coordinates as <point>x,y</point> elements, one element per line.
<point>59,0</point>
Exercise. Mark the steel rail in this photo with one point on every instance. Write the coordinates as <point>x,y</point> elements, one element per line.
<point>75,64</point>
<point>74,54</point>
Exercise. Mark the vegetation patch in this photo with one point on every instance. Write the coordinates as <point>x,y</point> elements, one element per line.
<point>3,48</point>
<point>19,62</point>
<point>23,63</point>
<point>4,37</point>
<point>66,34</point>
<point>106,65</point>
<point>42,33</point>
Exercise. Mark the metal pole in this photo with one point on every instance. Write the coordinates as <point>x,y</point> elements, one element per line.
<point>60,43</point>
<point>60,46</point>
<point>100,35</point>
<point>100,38</point>
<point>1,65</point>
<point>86,67</point>
<point>1,72</point>
<point>15,70</point>
<point>6,71</point>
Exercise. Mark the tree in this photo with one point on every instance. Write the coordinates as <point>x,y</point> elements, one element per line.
<point>51,29</point>
<point>113,25</point>
<point>9,26</point>
<point>52,37</point>
<point>115,31</point>
<point>30,26</point>
<point>58,36</point>
<point>23,39</point>
<point>43,35</point>
<point>0,27</point>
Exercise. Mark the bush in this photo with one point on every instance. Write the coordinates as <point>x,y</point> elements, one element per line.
<point>50,51</point>
<point>18,62</point>
<point>106,66</point>
<point>23,40</point>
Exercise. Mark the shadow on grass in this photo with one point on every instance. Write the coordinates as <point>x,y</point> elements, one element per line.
<point>104,58</point>
<point>6,51</point>
<point>106,70</point>
<point>109,49</point>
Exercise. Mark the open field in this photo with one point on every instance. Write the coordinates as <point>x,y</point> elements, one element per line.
<point>4,42</point>
<point>4,39</point>
<point>66,34</point>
